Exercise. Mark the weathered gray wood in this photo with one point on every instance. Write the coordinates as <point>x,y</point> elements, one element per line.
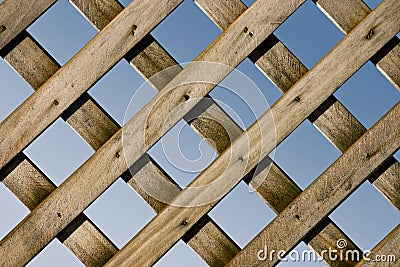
<point>389,246</point>
<point>296,105</point>
<point>78,74</point>
<point>16,15</point>
<point>71,197</point>
<point>284,70</point>
<point>346,15</point>
<point>326,192</point>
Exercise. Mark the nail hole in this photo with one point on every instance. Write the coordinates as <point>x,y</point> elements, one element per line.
<point>245,29</point>
<point>241,158</point>
<point>56,103</point>
<point>59,215</point>
<point>297,217</point>
<point>297,99</point>
<point>370,33</point>
<point>251,34</point>
<point>2,28</point>
<point>186,97</point>
<point>134,27</point>
<point>184,223</point>
<point>117,155</point>
<point>368,155</point>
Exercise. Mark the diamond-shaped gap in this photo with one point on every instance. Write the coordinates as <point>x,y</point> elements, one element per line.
<point>366,216</point>
<point>245,94</point>
<point>309,34</point>
<point>13,90</point>
<point>180,255</point>
<point>58,151</point>
<point>12,211</point>
<point>182,153</point>
<point>120,213</point>
<point>122,89</point>
<point>368,95</point>
<point>372,4</point>
<point>301,255</point>
<point>305,154</point>
<point>186,27</point>
<point>242,214</point>
<point>51,255</point>
<point>62,31</point>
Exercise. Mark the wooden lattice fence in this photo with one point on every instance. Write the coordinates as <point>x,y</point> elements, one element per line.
<point>308,94</point>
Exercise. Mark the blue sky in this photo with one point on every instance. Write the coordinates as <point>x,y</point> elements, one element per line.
<point>366,216</point>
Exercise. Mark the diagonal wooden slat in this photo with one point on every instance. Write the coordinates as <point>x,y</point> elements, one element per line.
<point>327,191</point>
<point>284,70</point>
<point>16,15</point>
<point>96,128</point>
<point>346,15</point>
<point>32,187</point>
<point>78,74</point>
<point>106,156</point>
<point>289,111</point>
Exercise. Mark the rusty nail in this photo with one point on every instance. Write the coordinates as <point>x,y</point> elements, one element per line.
<point>2,28</point>
<point>245,29</point>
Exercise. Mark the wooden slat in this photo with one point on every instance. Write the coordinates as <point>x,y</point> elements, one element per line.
<point>96,128</point>
<point>289,111</point>
<point>389,246</point>
<point>16,15</point>
<point>71,197</point>
<point>78,74</point>
<point>148,57</point>
<point>28,184</point>
<point>326,192</point>
<point>89,245</point>
<point>284,70</point>
<point>270,182</point>
<point>346,15</point>
<point>31,62</point>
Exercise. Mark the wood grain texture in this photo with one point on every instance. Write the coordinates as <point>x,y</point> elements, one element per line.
<point>78,74</point>
<point>336,68</point>
<point>147,57</point>
<point>98,12</point>
<point>389,246</point>
<point>28,184</point>
<point>31,62</point>
<point>326,192</point>
<point>92,124</point>
<point>90,246</point>
<point>284,70</point>
<point>71,197</point>
<point>16,15</point>
<point>346,15</point>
